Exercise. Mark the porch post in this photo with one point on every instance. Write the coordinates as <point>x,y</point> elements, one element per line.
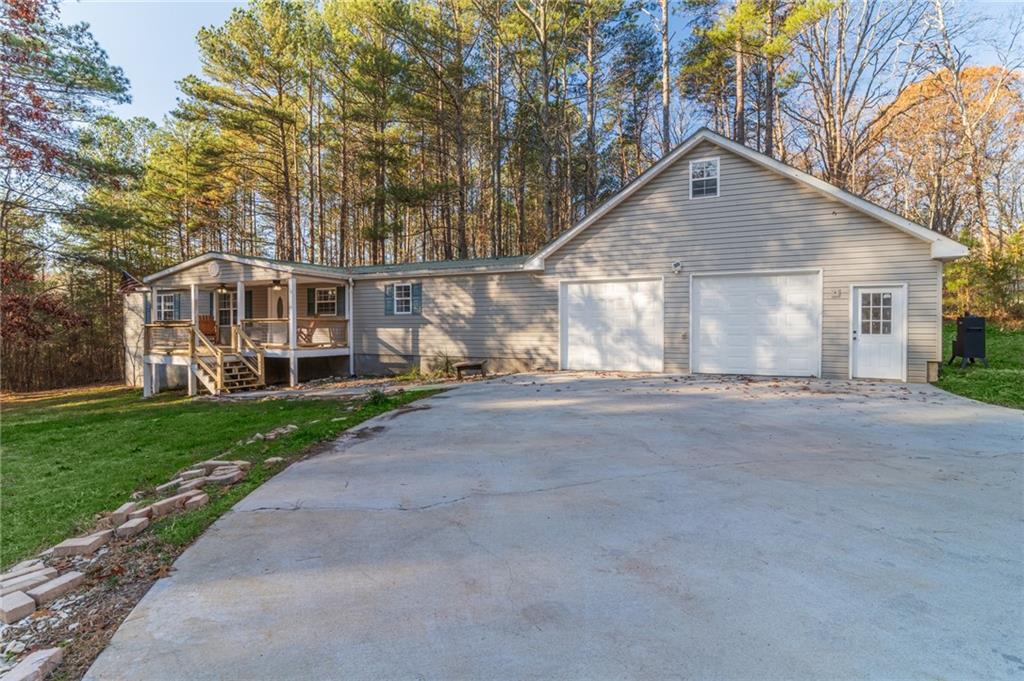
<point>193,292</point>
<point>147,378</point>
<point>240,302</point>
<point>350,313</point>
<point>293,331</point>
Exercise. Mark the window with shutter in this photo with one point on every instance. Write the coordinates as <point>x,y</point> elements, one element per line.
<point>326,301</point>
<point>403,298</point>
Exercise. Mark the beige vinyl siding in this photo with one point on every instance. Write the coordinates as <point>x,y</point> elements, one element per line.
<point>510,319</point>
<point>759,221</point>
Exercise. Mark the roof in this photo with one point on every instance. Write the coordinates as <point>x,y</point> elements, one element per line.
<point>437,267</point>
<point>942,248</point>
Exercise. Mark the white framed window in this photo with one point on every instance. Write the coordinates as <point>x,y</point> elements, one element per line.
<point>403,298</point>
<point>704,178</point>
<point>227,309</point>
<point>165,307</point>
<point>326,301</point>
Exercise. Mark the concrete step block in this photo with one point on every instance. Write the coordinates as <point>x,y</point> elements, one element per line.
<point>119,515</point>
<point>23,568</point>
<point>82,546</point>
<point>197,501</point>
<point>36,666</point>
<point>55,588</point>
<point>26,582</point>
<point>144,512</point>
<point>168,486</point>
<point>130,528</point>
<point>169,505</point>
<point>15,606</point>
<point>190,485</point>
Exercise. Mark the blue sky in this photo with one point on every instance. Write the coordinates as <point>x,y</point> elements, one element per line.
<point>154,42</point>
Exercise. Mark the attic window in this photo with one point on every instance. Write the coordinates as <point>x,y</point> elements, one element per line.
<point>703,178</point>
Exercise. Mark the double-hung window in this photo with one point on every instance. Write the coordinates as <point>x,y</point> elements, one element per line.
<point>703,178</point>
<point>165,307</point>
<point>403,298</point>
<point>327,301</point>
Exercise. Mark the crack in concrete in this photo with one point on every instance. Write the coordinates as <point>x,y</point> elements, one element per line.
<point>301,505</point>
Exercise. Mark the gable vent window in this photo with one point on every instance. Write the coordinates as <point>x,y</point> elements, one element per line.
<point>703,178</point>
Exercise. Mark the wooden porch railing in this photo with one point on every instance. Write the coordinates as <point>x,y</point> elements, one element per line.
<point>313,332</point>
<point>201,350</point>
<point>166,337</point>
<point>243,343</point>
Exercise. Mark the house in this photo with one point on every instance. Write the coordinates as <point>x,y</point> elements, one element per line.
<point>718,259</point>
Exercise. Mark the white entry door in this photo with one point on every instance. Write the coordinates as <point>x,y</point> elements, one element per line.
<point>762,324</point>
<point>878,332</point>
<point>612,325</point>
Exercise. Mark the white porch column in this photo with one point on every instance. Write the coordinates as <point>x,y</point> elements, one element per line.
<point>349,314</point>
<point>147,378</point>
<point>293,331</point>
<point>193,293</point>
<point>240,302</point>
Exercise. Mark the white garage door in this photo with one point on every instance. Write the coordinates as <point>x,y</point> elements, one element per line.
<point>764,324</point>
<point>612,325</point>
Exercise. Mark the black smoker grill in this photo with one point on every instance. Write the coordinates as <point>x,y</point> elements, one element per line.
<point>969,343</point>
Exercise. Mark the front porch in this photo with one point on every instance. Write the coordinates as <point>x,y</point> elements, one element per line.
<point>222,326</point>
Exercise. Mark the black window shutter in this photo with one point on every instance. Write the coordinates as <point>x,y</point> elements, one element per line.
<point>311,302</point>
<point>417,298</point>
<point>339,296</point>
<point>389,299</point>
<point>177,306</point>
<point>248,304</point>
<point>146,312</point>
<point>213,310</point>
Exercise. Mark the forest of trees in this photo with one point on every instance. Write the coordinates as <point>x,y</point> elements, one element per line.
<point>367,131</point>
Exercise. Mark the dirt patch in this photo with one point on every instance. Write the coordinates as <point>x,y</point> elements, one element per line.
<point>83,622</point>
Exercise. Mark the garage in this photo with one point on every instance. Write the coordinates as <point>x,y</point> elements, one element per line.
<point>612,325</point>
<point>764,323</point>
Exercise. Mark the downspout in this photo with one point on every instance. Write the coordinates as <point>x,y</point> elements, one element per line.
<point>351,320</point>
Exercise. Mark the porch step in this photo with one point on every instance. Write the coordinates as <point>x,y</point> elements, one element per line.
<point>237,375</point>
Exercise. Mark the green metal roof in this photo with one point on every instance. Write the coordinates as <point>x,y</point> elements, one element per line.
<point>476,264</point>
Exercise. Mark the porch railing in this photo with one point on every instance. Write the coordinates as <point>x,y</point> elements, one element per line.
<point>166,337</point>
<point>313,332</point>
<point>174,337</point>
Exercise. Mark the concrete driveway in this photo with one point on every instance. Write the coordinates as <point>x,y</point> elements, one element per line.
<point>590,527</point>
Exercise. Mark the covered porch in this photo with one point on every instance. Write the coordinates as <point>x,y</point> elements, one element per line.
<point>222,318</point>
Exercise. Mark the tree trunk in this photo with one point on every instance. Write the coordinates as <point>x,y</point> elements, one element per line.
<point>739,132</point>
<point>666,118</point>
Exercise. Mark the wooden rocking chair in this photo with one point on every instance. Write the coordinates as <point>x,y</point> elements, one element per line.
<point>208,327</point>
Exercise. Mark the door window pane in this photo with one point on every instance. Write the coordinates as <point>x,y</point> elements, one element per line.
<point>876,313</point>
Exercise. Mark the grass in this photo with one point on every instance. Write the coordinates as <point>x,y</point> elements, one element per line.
<point>1001,383</point>
<point>70,455</point>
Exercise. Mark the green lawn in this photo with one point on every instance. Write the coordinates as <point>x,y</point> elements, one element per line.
<point>69,456</point>
<point>1002,383</point>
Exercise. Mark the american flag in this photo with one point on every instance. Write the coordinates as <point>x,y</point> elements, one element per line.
<point>128,283</point>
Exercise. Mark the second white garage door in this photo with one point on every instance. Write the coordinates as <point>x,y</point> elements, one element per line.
<point>612,325</point>
<point>767,324</point>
